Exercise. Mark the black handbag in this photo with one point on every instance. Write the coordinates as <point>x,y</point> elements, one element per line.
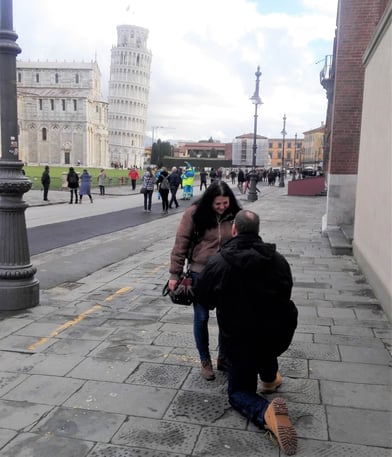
<point>183,292</point>
<point>143,190</point>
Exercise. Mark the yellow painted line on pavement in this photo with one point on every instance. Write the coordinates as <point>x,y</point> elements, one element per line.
<point>75,321</point>
<point>118,292</point>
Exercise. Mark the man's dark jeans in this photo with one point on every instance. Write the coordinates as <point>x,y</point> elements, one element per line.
<point>244,368</point>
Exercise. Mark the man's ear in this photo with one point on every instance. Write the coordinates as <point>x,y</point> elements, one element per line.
<point>233,230</point>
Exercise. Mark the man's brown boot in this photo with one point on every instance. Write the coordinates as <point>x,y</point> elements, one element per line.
<point>206,370</point>
<point>277,421</point>
<point>270,387</point>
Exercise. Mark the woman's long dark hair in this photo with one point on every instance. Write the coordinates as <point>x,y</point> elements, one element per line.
<point>204,216</point>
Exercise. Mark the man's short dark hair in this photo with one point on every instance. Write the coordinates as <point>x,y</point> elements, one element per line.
<point>247,222</point>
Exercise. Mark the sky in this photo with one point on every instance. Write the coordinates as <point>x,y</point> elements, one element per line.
<point>204,58</point>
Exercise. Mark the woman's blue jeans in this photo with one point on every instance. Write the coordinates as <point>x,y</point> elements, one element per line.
<point>148,199</point>
<point>200,328</point>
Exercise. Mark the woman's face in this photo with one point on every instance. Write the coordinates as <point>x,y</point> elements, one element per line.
<point>220,204</point>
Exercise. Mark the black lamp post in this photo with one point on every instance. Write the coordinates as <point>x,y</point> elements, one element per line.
<point>284,133</point>
<point>252,193</point>
<point>19,289</point>
<point>295,156</point>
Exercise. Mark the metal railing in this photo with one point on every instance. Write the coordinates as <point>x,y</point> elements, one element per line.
<point>328,71</point>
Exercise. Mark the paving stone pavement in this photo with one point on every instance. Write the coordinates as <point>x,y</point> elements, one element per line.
<point>106,366</point>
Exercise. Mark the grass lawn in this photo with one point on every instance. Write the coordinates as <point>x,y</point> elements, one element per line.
<point>114,176</point>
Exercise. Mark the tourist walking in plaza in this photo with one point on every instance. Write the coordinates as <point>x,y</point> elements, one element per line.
<point>175,182</point>
<point>241,180</point>
<point>85,186</point>
<point>164,187</point>
<point>203,179</point>
<point>45,181</point>
<point>73,184</point>
<point>101,181</point>
<point>147,188</point>
<point>203,229</point>
<point>133,176</point>
<point>249,283</point>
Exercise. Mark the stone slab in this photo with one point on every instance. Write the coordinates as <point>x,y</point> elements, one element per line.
<point>80,424</point>
<point>234,443</point>
<point>69,346</point>
<point>48,390</point>
<point>127,351</point>
<point>205,409</point>
<point>157,434</point>
<point>159,375</point>
<point>315,448</point>
<point>9,381</point>
<point>18,343</point>
<point>19,415</point>
<point>360,426</point>
<point>109,450</point>
<point>99,369</point>
<point>16,362</point>
<point>86,332</point>
<point>310,421</point>
<point>53,365</point>
<point>31,444</point>
<point>350,372</point>
<point>300,390</point>
<point>319,351</point>
<point>122,399</point>
<point>349,340</point>
<point>6,436</point>
<point>361,354</point>
<point>37,329</point>
<point>11,325</point>
<point>377,397</point>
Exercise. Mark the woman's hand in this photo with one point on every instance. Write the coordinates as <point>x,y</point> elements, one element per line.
<point>172,284</point>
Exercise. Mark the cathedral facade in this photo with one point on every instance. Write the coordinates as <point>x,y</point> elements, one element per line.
<point>62,117</point>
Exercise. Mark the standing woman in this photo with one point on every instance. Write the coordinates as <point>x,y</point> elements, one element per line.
<point>101,182</point>
<point>85,185</point>
<point>164,187</point>
<point>73,184</point>
<point>148,182</point>
<point>45,181</point>
<point>203,228</point>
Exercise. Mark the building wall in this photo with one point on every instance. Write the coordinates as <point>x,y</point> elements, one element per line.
<point>128,96</point>
<point>243,151</point>
<point>275,150</point>
<point>61,116</point>
<point>356,21</point>
<point>313,150</point>
<point>204,149</point>
<point>373,209</point>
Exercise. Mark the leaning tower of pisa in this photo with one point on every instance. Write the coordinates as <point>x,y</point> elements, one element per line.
<point>128,96</point>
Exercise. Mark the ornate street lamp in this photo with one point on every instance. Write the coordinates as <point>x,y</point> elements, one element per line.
<point>284,133</point>
<point>19,289</point>
<point>252,193</point>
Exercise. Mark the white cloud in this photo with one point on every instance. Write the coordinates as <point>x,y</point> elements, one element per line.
<point>205,55</point>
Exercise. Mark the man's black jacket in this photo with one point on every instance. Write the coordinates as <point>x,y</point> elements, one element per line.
<point>250,284</point>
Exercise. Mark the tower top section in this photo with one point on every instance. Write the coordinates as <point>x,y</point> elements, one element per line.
<point>132,36</point>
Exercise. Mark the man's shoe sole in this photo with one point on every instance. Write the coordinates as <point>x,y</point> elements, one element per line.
<point>278,422</point>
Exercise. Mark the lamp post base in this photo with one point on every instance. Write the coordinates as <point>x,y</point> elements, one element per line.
<point>19,294</point>
<point>281,181</point>
<point>252,192</point>
<point>19,289</point>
